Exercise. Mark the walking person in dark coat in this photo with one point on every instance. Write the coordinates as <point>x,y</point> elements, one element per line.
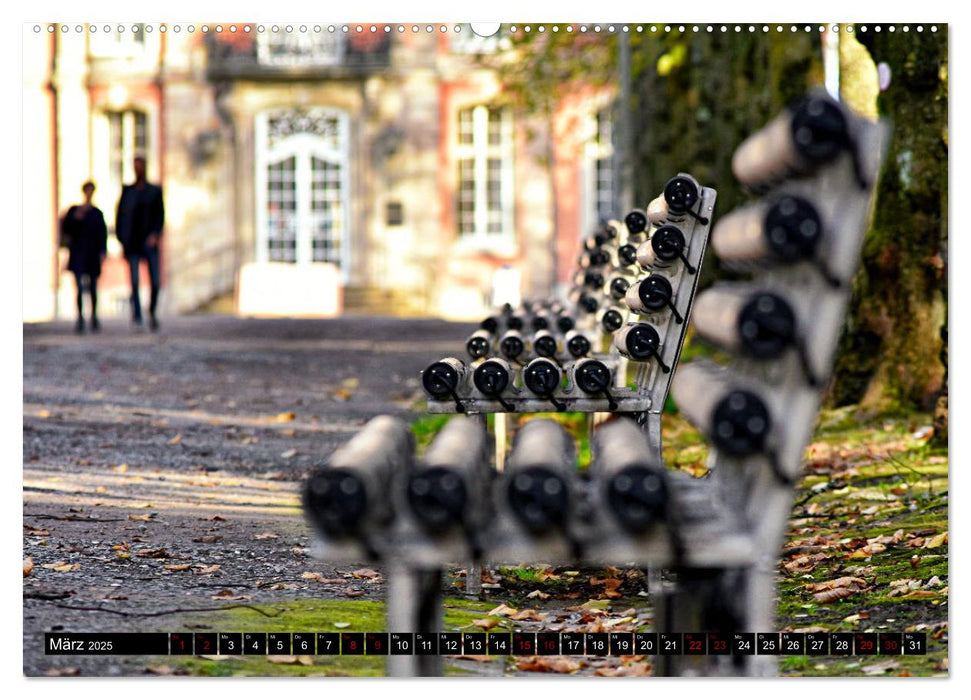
<point>141,216</point>
<point>84,233</point>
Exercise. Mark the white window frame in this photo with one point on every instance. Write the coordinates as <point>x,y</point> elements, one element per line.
<point>108,190</point>
<point>303,146</point>
<point>480,151</point>
<point>595,150</point>
<point>122,44</point>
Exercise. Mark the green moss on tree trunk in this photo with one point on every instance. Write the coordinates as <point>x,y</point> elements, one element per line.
<point>890,354</point>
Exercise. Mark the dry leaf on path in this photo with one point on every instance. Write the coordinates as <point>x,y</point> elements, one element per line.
<point>266,536</point>
<point>28,566</point>
<point>549,664</point>
<point>486,624</point>
<point>177,567</point>
<point>843,582</point>
<point>503,610</point>
<point>538,594</point>
<point>61,566</point>
<point>366,573</point>
<point>528,614</point>
<point>154,553</point>
<point>641,669</point>
<point>937,541</point>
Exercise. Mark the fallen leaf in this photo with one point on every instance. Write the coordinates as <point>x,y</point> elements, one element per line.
<point>143,518</point>
<point>208,539</point>
<point>154,553</point>
<point>68,671</point>
<point>216,518</point>
<point>549,664</point>
<point>639,669</point>
<point>343,394</point>
<point>617,622</point>
<point>538,594</point>
<point>288,454</point>
<point>366,573</point>
<point>43,413</point>
<point>610,586</point>
<point>284,417</point>
<point>352,592</point>
<point>528,614</point>
<point>198,569</point>
<point>844,582</point>
<point>177,567</point>
<point>35,532</point>
<point>266,536</point>
<point>867,551</point>
<point>28,566</point>
<point>486,624</point>
<point>935,542</point>
<point>834,594</point>
<point>503,610</point>
<point>311,576</point>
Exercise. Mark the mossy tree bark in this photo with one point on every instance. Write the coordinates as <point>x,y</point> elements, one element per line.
<point>891,350</point>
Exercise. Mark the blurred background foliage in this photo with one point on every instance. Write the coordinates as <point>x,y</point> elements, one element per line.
<point>696,96</point>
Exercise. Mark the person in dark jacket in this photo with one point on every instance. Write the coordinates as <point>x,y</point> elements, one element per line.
<point>84,233</point>
<point>138,225</point>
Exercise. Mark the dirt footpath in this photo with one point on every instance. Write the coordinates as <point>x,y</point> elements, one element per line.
<point>161,471</point>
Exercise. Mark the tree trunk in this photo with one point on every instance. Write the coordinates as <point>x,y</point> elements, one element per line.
<point>891,350</point>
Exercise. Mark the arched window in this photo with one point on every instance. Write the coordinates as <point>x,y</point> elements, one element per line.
<point>302,186</point>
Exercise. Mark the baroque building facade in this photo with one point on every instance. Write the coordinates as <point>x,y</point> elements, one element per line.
<point>386,158</point>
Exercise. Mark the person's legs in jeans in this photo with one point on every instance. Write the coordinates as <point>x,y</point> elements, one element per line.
<point>79,280</point>
<point>151,255</point>
<point>136,303</point>
<point>93,292</point>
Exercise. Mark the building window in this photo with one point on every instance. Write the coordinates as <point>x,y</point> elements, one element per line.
<point>302,187</point>
<point>120,41</point>
<point>128,136</point>
<point>118,137</point>
<point>600,190</point>
<point>485,174</point>
<point>300,48</point>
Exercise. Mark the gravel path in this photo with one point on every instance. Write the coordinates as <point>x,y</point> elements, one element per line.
<point>161,470</point>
